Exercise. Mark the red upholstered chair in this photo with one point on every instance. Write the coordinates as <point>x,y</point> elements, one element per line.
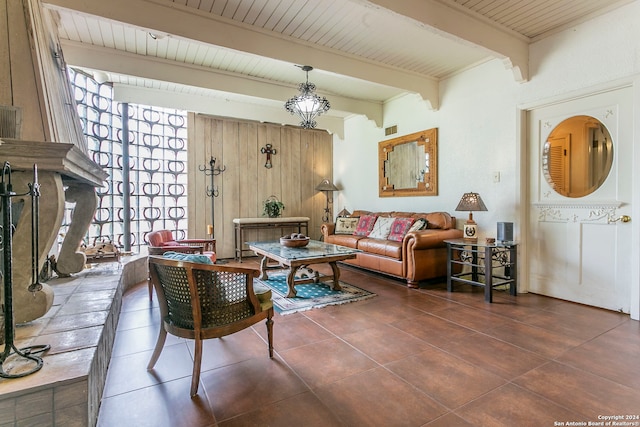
<point>162,241</point>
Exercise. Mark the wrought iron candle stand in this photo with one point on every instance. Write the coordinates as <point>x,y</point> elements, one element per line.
<point>212,190</point>
<point>11,352</point>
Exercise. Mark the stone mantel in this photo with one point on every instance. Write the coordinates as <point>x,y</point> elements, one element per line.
<point>66,159</point>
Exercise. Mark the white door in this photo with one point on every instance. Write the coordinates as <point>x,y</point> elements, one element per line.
<point>579,248</point>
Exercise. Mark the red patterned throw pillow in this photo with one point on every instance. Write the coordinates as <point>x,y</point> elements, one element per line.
<point>399,228</point>
<point>365,225</point>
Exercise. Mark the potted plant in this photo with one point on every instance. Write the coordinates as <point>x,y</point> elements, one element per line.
<point>272,207</point>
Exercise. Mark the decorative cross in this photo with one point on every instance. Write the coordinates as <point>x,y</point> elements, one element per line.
<point>268,150</point>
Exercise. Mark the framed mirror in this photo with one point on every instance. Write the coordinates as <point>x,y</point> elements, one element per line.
<point>408,165</point>
<point>577,156</point>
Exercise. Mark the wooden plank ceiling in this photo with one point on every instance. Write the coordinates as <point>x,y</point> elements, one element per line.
<point>364,52</point>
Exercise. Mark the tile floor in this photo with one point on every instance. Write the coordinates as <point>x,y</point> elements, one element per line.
<point>404,358</point>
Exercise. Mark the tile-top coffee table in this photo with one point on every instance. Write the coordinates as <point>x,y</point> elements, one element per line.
<point>295,258</point>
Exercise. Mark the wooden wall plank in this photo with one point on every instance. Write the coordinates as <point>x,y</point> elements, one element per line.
<point>303,158</point>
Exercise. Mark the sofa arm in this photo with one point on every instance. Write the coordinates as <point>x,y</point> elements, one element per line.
<point>430,238</point>
<point>327,229</point>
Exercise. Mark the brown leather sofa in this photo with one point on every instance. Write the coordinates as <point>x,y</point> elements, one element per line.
<point>421,255</point>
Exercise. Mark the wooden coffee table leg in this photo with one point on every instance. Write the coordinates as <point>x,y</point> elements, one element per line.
<point>291,282</point>
<point>263,268</point>
<point>336,276</point>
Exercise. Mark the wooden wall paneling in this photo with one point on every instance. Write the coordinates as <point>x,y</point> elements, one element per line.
<point>24,92</point>
<point>324,169</point>
<point>307,181</point>
<point>204,153</point>
<point>250,174</point>
<point>303,159</point>
<point>291,170</point>
<point>5,66</point>
<point>229,186</point>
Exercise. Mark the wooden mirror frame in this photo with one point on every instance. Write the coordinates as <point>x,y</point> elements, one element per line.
<point>428,139</point>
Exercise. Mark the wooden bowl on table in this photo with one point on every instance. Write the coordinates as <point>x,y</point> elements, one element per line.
<point>296,242</point>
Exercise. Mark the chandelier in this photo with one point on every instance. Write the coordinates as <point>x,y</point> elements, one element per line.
<point>307,104</point>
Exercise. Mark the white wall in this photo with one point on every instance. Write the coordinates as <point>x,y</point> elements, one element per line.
<point>478,120</point>
<point>476,137</point>
<point>480,128</point>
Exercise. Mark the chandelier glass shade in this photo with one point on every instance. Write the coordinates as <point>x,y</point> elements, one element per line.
<point>307,105</point>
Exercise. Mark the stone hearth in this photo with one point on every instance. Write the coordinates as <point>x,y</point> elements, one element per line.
<point>80,328</point>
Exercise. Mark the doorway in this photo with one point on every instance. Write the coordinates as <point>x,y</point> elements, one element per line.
<point>579,248</point>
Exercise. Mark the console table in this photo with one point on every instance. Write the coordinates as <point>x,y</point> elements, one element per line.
<point>483,256</point>
<point>243,224</point>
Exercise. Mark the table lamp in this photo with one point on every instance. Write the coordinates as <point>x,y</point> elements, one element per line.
<point>471,202</point>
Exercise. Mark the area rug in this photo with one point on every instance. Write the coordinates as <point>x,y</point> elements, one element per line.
<point>310,295</point>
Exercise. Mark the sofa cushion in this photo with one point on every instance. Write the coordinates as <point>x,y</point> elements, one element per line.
<point>381,228</point>
<point>399,228</point>
<point>365,225</point>
<point>346,225</point>
<point>381,247</point>
<point>348,240</point>
<point>419,224</point>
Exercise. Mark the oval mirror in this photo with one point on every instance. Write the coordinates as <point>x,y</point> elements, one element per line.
<point>577,156</point>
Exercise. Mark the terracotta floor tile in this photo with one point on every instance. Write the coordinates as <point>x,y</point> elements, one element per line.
<point>575,320</point>
<point>511,406</point>
<point>301,410</point>
<point>494,355</point>
<point>445,378</point>
<point>128,373</point>
<point>243,387</point>
<point>341,319</point>
<point>326,361</point>
<point>408,357</point>
<point>449,420</point>
<point>546,343</point>
<point>384,343</point>
<point>378,398</point>
<point>433,330</point>
<point>612,355</point>
<point>379,310</point>
<point>164,405</point>
<point>138,318</point>
<point>139,339</point>
<point>426,302</point>
<point>295,332</point>
<point>469,317</point>
<point>580,391</point>
<point>238,347</point>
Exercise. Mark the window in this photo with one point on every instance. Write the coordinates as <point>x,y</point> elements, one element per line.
<point>156,154</point>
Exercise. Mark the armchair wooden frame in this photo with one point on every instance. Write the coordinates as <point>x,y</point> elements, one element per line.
<point>157,246</point>
<point>202,301</point>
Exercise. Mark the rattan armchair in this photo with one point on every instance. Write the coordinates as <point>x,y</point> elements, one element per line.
<point>202,301</point>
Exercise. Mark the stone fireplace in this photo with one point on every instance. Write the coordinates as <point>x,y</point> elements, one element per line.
<point>39,125</point>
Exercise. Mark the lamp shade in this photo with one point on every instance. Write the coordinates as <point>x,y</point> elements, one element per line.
<point>307,105</point>
<point>326,185</point>
<point>471,202</point>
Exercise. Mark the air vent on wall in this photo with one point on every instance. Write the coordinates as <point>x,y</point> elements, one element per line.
<point>10,122</point>
<point>391,130</point>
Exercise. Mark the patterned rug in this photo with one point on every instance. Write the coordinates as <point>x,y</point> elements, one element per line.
<point>310,295</point>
